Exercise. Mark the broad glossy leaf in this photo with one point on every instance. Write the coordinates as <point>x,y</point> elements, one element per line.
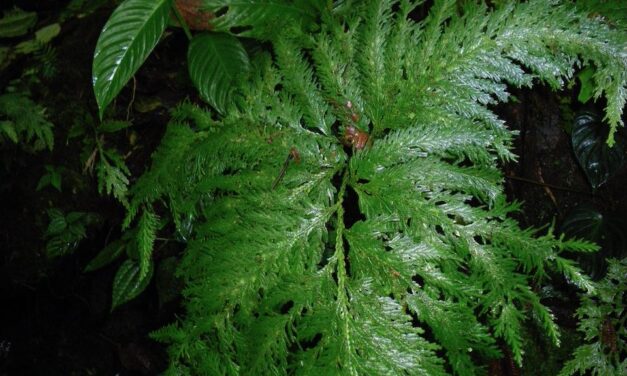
<point>109,254</point>
<point>128,283</point>
<point>608,231</point>
<point>598,160</point>
<point>584,223</point>
<point>216,62</point>
<point>126,40</point>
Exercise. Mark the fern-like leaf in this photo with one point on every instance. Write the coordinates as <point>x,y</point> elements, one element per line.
<point>113,175</point>
<point>312,254</point>
<point>27,121</point>
<point>602,323</point>
<point>146,235</point>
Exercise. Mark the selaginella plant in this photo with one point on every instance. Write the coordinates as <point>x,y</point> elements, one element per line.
<point>602,320</point>
<point>348,211</point>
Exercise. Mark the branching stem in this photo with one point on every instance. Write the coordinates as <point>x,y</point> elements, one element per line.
<point>340,258</point>
<point>542,184</point>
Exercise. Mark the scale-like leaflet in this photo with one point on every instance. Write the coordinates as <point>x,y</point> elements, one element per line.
<point>340,263</point>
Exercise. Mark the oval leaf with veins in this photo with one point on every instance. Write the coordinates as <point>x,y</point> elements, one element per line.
<point>217,62</point>
<point>126,40</point>
<point>128,282</point>
<point>597,159</point>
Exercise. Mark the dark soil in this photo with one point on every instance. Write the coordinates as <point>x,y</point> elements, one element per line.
<point>56,320</point>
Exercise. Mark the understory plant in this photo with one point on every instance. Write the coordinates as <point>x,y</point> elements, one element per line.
<point>217,60</point>
<point>346,214</point>
<point>602,320</point>
<point>23,122</point>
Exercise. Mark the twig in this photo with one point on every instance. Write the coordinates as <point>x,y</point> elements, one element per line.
<point>130,104</point>
<point>282,172</point>
<point>109,340</point>
<point>89,163</point>
<point>547,189</point>
<point>293,155</point>
<point>559,188</point>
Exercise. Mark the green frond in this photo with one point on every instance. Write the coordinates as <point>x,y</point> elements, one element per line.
<point>507,324</point>
<point>456,329</point>
<point>298,79</point>
<point>146,235</point>
<point>602,321</point>
<point>573,274</point>
<point>313,255</point>
<point>24,121</point>
<point>551,55</point>
<point>387,341</point>
<point>458,141</point>
<point>113,175</point>
<point>161,180</point>
<point>374,34</point>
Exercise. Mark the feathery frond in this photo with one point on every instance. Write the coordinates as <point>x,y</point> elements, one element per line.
<point>313,256</point>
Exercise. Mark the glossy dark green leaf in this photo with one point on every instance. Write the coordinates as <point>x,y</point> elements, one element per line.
<point>216,62</point>
<point>128,282</point>
<point>57,223</point>
<point>597,159</point>
<point>109,254</point>
<point>61,245</point>
<point>585,222</point>
<point>126,40</point>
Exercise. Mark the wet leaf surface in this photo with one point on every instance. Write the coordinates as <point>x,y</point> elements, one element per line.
<point>598,161</point>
